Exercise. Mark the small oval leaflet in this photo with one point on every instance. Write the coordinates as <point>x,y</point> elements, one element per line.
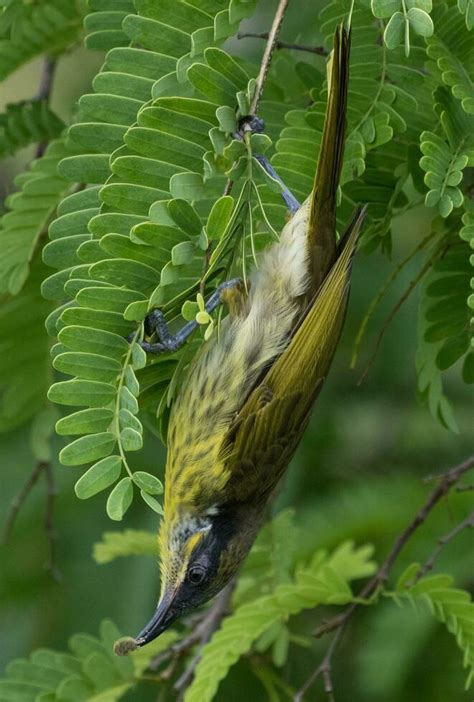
<point>100,476</point>
<point>219,217</point>
<point>151,502</point>
<point>138,357</point>
<point>127,419</point>
<point>87,449</point>
<point>131,381</point>
<point>120,499</point>
<point>147,482</point>
<point>131,439</point>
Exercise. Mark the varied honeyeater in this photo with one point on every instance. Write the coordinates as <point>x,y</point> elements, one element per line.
<point>249,391</point>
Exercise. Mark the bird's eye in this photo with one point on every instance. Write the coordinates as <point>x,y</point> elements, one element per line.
<point>196,574</point>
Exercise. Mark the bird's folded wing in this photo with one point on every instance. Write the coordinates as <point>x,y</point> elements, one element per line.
<point>267,430</point>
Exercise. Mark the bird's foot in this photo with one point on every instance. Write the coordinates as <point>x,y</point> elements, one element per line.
<point>155,323</point>
<point>256,125</point>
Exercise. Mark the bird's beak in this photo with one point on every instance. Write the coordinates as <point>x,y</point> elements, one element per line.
<point>161,620</point>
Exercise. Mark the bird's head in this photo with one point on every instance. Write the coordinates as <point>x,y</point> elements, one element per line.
<point>199,555</point>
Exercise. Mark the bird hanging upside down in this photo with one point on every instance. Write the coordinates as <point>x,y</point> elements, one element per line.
<point>248,395</point>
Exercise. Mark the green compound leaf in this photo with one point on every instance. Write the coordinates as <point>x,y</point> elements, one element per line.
<point>454,58</point>
<point>445,326</point>
<point>445,157</point>
<point>116,544</point>
<point>115,256</point>
<point>44,28</point>
<point>90,670</point>
<point>120,499</point>
<point>100,476</point>
<point>449,605</point>
<point>27,123</point>
<point>30,210</point>
<point>25,372</point>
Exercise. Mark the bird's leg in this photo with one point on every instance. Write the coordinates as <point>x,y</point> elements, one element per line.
<point>155,323</point>
<point>252,123</point>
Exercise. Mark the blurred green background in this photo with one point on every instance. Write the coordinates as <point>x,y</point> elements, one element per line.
<point>358,474</point>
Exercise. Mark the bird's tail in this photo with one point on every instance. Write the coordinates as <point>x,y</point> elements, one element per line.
<point>307,359</point>
<point>322,219</point>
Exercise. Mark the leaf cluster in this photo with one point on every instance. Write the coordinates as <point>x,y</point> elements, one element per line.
<point>32,29</point>
<point>90,670</point>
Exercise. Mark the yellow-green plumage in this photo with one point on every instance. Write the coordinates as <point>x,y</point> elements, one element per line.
<point>248,394</point>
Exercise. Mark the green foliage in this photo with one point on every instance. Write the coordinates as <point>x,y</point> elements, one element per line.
<point>404,16</point>
<point>324,580</point>
<point>449,605</point>
<point>31,29</point>
<point>129,246</point>
<point>90,670</point>
<point>25,372</point>
<point>130,542</point>
<point>452,50</point>
<point>135,189</point>
<point>27,123</point>
<point>385,97</point>
<point>466,7</point>
<point>31,209</point>
<point>445,158</point>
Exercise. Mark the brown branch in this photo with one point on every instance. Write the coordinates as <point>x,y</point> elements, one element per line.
<point>203,633</point>
<point>319,50</point>
<point>42,467</point>
<point>338,624</point>
<point>268,53</point>
<point>272,39</point>
<point>44,92</point>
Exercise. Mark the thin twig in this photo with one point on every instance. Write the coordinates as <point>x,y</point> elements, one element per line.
<point>204,632</point>
<point>44,92</point>
<point>47,77</point>
<point>267,54</point>
<point>201,633</point>
<point>442,542</point>
<point>319,50</point>
<point>17,502</point>
<point>272,39</point>
<point>338,624</point>
<point>42,467</point>
<point>389,318</point>
<point>464,488</point>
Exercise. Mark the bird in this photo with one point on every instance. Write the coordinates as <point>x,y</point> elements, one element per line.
<point>248,394</point>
